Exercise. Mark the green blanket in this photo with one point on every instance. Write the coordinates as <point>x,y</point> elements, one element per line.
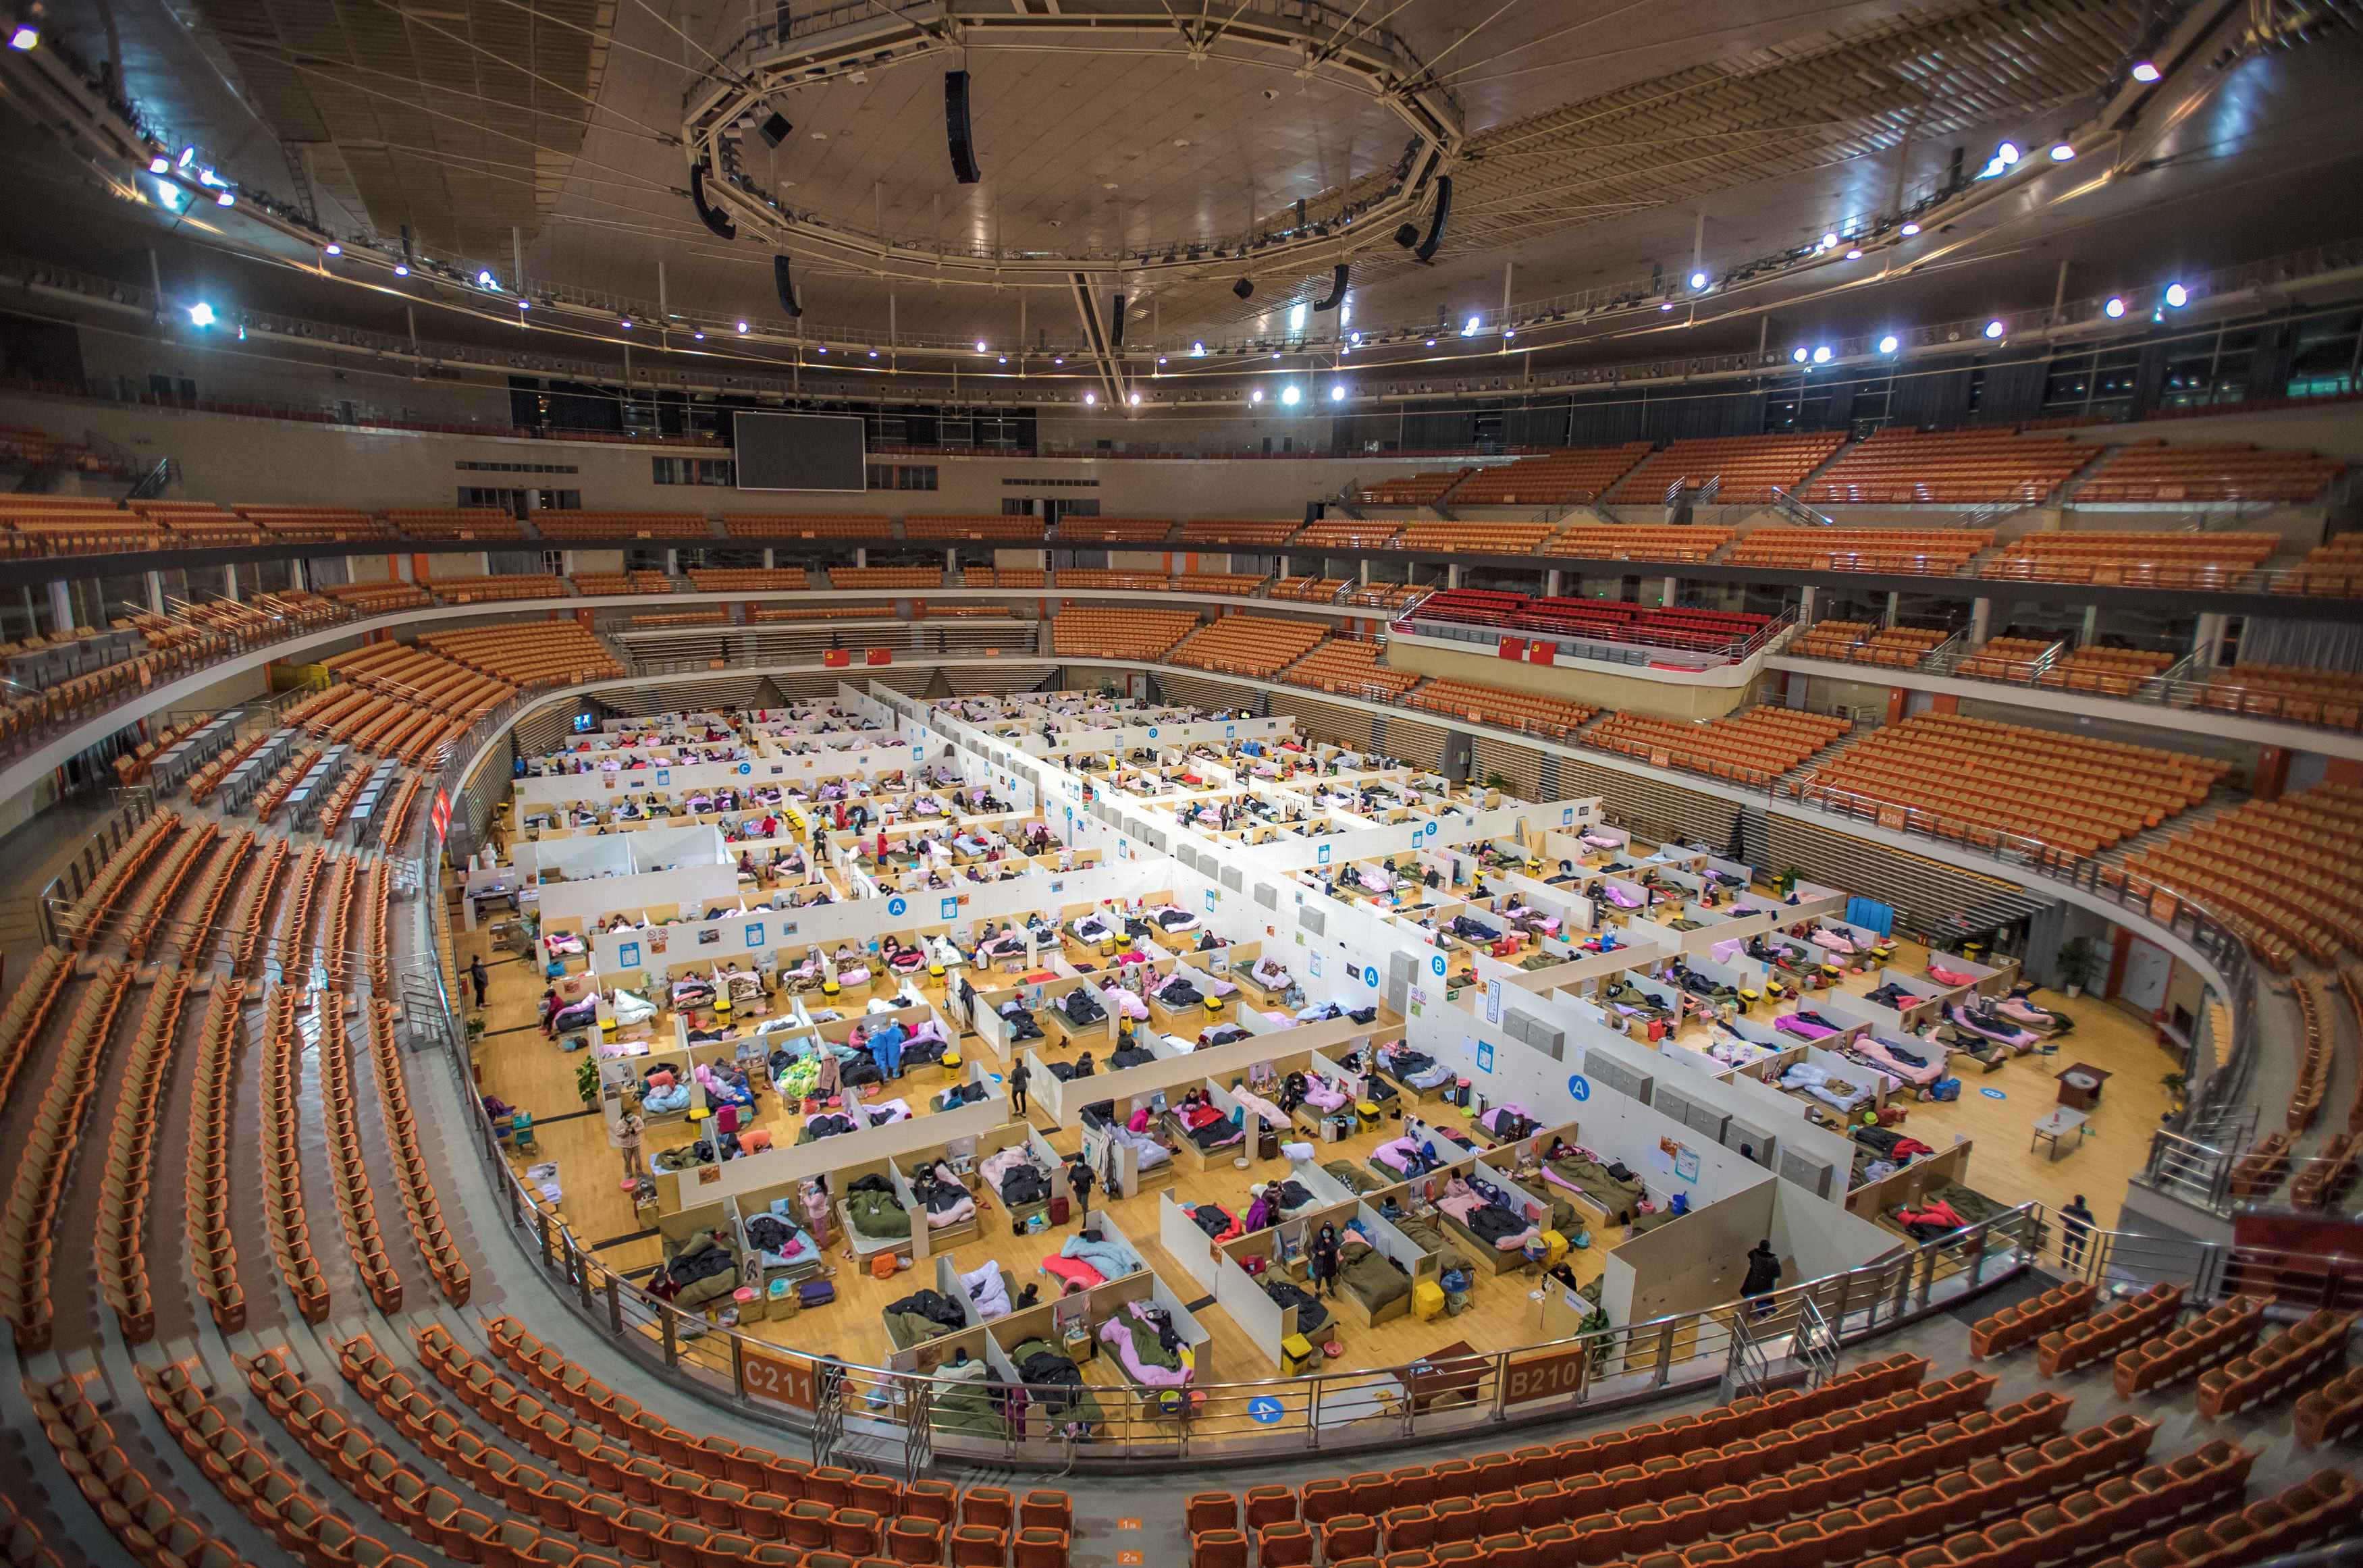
<point>1369,1276</point>
<point>1355,1177</point>
<point>963,1407</point>
<point>908,1329</point>
<point>877,1216</point>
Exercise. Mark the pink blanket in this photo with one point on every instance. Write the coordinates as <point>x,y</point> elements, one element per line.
<point>1117,1335</point>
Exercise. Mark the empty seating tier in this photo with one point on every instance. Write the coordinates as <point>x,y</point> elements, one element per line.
<point>1343,665</point>
<point>2278,691</point>
<point>807,525</point>
<point>1234,531</point>
<point>2286,874</point>
<point>1413,490</point>
<point>2154,471</point>
<point>2010,658</point>
<point>2332,571</point>
<point>1746,468</point>
<point>1496,705</point>
<point>1235,584</point>
<point>591,582</point>
<point>1889,551</point>
<point>1724,632</point>
<point>1248,644</point>
<point>1394,596</point>
<point>1859,642</point>
<point>558,653</point>
<point>1472,606</point>
<point>885,577</point>
<point>748,580</point>
<point>622,526</point>
<point>1095,577</point>
<point>980,526</point>
<point>2114,672</point>
<point>483,590</point>
<point>1754,747</point>
<point>1474,539</point>
<point>377,598</point>
<point>1905,466</point>
<point>455,522</point>
<point>1644,542</point>
<point>1145,634</point>
<point>2149,560</point>
<point>1313,589</point>
<point>1113,530</point>
<point>50,1139</point>
<point>1963,776</point>
<point>1345,534</point>
<point>1567,478</point>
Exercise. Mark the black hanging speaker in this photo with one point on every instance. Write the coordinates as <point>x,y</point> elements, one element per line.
<point>956,129</point>
<point>773,128</point>
<point>786,287</point>
<point>1116,323</point>
<point>1426,251</point>
<point>1243,288</point>
<point>722,227</point>
<point>1336,289</point>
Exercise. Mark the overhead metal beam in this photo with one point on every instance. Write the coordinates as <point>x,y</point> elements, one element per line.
<point>1095,337</point>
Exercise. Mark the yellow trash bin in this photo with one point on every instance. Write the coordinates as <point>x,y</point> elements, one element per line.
<point>1427,1301</point>
<point>1295,1355</point>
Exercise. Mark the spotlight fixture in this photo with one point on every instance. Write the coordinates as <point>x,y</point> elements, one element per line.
<point>979,345</point>
<point>188,156</point>
<point>742,330</point>
<point>1822,355</point>
<point>1255,396</point>
<point>1472,326</point>
<point>1002,361</point>
<point>1829,240</point>
<point>484,280</point>
<point>1910,229</point>
<point>201,314</point>
<point>2114,309</point>
<point>1243,288</point>
<point>1855,254</point>
<point>697,337</point>
<point>1058,360</point>
<point>528,304</point>
<point>25,37</point>
<point>1288,396</point>
<point>873,353</point>
<point>2146,71</point>
<point>2176,295</point>
<point>1510,332</point>
<point>1160,358</point>
<point>1698,279</point>
<point>226,200</point>
<point>334,249</point>
<point>1431,342</point>
<point>1996,328</point>
<point>2061,152</point>
<point>1135,399</point>
<point>956,128</point>
<point>2007,152</point>
<point>401,271</point>
<point>1275,353</point>
<point>1091,399</point>
<point>158,164</point>
<point>1800,355</point>
<point>1667,306</point>
<point>1197,351</point>
<point>626,323</point>
<point>1888,343</point>
<point>1336,394</point>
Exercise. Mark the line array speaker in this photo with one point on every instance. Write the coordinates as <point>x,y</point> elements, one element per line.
<point>722,227</point>
<point>1337,289</point>
<point>786,286</point>
<point>1426,251</point>
<point>956,128</point>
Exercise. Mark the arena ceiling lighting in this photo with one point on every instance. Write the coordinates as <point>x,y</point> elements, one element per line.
<point>1367,60</point>
<point>201,314</point>
<point>2061,152</point>
<point>1091,399</point>
<point>1336,394</point>
<point>2146,71</point>
<point>1698,279</point>
<point>1996,328</point>
<point>1822,355</point>
<point>2176,295</point>
<point>1800,355</point>
<point>2114,309</point>
<point>1256,395</point>
<point>1288,396</point>
<point>1889,344</point>
<point>24,38</point>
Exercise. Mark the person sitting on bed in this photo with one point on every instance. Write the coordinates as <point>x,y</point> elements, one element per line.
<point>1263,1211</point>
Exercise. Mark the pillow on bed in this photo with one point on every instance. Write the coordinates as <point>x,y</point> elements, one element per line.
<point>661,1077</point>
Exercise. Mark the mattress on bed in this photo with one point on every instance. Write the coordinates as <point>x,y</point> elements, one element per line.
<point>1369,1276</point>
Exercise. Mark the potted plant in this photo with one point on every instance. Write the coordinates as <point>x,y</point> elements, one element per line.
<point>2074,965</point>
<point>475,1030</point>
<point>587,1081</point>
<point>1786,882</point>
<point>2176,1085</point>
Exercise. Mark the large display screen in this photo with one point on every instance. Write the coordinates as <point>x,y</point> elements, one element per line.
<point>800,451</point>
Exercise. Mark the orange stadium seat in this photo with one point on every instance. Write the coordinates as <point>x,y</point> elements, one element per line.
<point>2161,560</point>
<point>1567,478</point>
<point>1146,634</point>
<point>1248,644</point>
<point>1234,531</point>
<point>1892,551</point>
<point>807,525</point>
<point>454,523</point>
<point>1754,747</point>
<point>1351,666</point>
<point>1903,464</point>
<point>2154,471</point>
<point>1745,467</point>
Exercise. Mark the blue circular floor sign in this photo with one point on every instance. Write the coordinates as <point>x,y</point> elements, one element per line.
<point>1993,1094</point>
<point>1266,1410</point>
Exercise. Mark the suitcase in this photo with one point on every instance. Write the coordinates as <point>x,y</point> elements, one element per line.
<point>815,1293</point>
<point>1058,1211</point>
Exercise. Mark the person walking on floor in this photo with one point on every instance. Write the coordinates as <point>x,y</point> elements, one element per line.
<point>1763,1273</point>
<point>628,1139</point>
<point>478,979</point>
<point>2074,1225</point>
<point>1018,1078</point>
<point>1079,1181</point>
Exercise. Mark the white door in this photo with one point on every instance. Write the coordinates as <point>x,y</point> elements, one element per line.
<point>2147,966</point>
